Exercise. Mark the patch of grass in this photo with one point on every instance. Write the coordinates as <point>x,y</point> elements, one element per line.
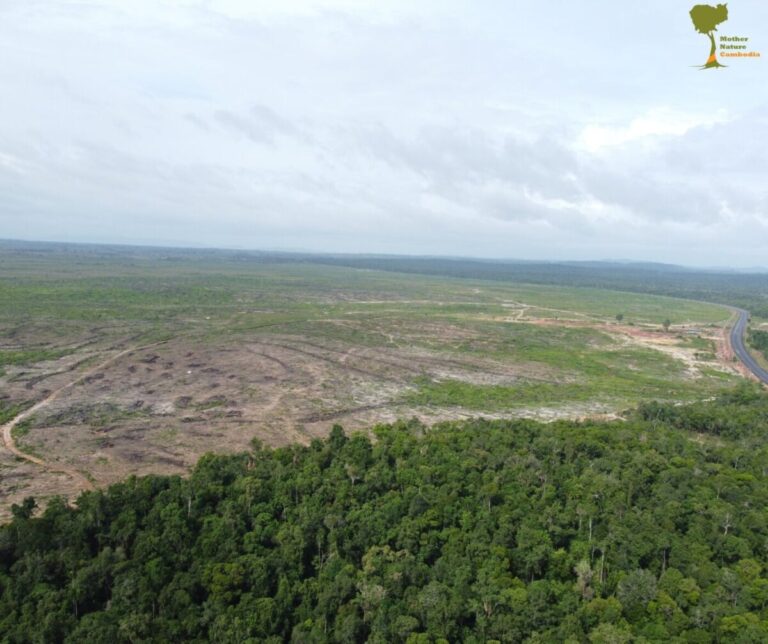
<point>20,430</point>
<point>211,403</point>
<point>456,393</point>
<point>168,434</point>
<point>597,381</point>
<point>27,448</point>
<point>9,410</point>
<point>717,374</point>
<point>31,356</point>
<point>697,342</point>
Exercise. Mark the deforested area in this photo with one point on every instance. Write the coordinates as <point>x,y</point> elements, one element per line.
<point>130,361</point>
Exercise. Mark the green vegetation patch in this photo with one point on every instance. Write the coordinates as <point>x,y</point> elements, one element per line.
<point>21,429</point>
<point>697,342</point>
<point>621,389</point>
<point>9,410</point>
<point>588,364</point>
<point>456,393</point>
<point>31,356</point>
<point>759,340</point>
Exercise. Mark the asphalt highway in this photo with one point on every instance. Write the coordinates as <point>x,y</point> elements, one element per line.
<point>740,349</point>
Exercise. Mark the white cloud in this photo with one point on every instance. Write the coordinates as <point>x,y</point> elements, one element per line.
<point>345,125</point>
<point>658,122</point>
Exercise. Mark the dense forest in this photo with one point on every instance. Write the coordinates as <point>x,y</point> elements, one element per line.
<point>648,529</point>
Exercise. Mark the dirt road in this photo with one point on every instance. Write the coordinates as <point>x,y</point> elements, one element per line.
<point>7,428</point>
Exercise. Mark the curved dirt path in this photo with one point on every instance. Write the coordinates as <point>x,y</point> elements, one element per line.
<point>10,443</point>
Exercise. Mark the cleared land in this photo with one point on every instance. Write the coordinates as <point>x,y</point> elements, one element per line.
<point>147,360</point>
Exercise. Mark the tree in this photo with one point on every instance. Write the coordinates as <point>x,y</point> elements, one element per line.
<point>25,510</point>
<point>583,579</point>
<point>610,634</point>
<point>619,317</point>
<point>636,589</point>
<point>705,20</point>
<point>666,324</point>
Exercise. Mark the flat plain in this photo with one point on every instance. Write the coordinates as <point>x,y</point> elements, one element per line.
<point>139,361</point>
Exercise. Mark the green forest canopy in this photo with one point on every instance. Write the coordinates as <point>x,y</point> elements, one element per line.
<point>653,529</point>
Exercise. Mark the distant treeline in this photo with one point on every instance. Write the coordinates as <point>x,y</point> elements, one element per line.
<point>745,290</point>
<point>651,529</point>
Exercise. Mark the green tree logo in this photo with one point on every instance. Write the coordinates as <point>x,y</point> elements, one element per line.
<point>705,19</point>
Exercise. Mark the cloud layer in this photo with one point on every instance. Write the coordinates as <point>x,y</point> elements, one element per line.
<point>530,131</point>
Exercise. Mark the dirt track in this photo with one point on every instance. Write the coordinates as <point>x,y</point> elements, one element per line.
<point>10,443</point>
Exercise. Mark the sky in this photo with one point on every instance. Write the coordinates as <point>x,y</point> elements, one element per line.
<point>530,129</point>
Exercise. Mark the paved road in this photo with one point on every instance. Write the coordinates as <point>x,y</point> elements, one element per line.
<point>740,349</point>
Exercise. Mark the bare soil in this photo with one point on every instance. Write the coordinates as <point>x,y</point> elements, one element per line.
<point>109,409</point>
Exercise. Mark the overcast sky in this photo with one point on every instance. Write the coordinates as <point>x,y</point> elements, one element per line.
<point>528,129</point>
